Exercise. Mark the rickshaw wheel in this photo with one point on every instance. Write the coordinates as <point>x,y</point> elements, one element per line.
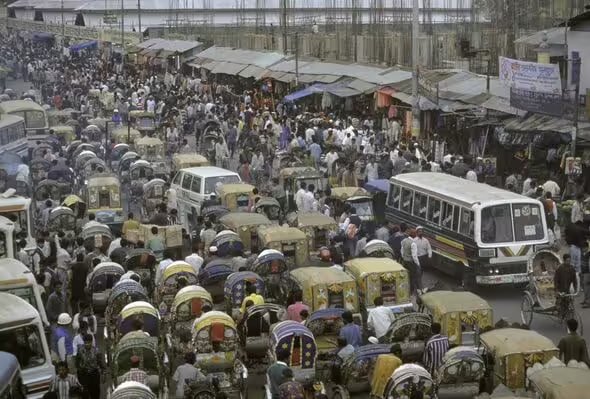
<point>527,309</point>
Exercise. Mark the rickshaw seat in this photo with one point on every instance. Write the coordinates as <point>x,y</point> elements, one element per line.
<point>254,325</point>
<point>217,333</point>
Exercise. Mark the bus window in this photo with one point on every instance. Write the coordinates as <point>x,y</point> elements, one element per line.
<point>496,224</point>
<point>466,225</point>
<point>3,252</point>
<point>196,185</point>
<point>420,204</point>
<point>527,222</point>
<point>447,216</point>
<point>186,182</point>
<point>407,197</point>
<point>394,196</point>
<point>433,210</point>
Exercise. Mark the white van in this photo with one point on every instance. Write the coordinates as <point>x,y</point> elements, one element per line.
<point>195,185</point>
<point>22,334</point>
<point>17,279</point>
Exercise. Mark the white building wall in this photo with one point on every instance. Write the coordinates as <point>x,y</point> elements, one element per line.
<point>580,41</point>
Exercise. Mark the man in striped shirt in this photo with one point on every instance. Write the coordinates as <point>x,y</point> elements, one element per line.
<point>65,383</point>
<point>436,347</point>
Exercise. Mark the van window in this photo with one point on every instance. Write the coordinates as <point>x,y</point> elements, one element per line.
<point>25,293</point>
<point>466,225</point>
<point>433,210</point>
<point>186,182</point>
<point>420,203</point>
<point>407,198</point>
<point>196,185</point>
<point>211,182</point>
<point>176,179</point>
<point>24,343</point>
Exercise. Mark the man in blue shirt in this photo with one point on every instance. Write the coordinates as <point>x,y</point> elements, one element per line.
<point>351,332</point>
<point>316,152</point>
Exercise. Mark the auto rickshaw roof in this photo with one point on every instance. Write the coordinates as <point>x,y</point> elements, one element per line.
<point>212,317</point>
<point>15,308</point>
<point>149,141</point>
<point>315,219</point>
<point>280,233</point>
<point>62,129</point>
<point>454,301</point>
<point>507,341</point>
<point>311,276</point>
<point>360,267</point>
<point>562,382</point>
<point>344,193</point>
<point>103,181</point>
<point>20,105</point>
<point>300,171</point>
<point>235,188</point>
<point>189,158</point>
<point>237,219</point>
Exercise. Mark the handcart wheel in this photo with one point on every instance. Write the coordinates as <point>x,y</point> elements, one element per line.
<point>527,309</point>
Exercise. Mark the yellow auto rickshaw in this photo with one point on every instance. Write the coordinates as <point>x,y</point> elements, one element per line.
<point>357,197</point>
<point>317,226</point>
<point>381,277</point>
<point>144,121</point>
<point>182,161</point>
<point>65,133</point>
<point>513,351</point>
<point>291,241</point>
<point>235,196</point>
<point>103,192</point>
<point>291,179</point>
<point>126,135</point>
<point>246,225</point>
<point>462,314</point>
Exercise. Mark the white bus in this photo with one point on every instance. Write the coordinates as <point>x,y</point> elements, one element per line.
<point>23,335</point>
<point>482,234</point>
<point>35,116</point>
<point>13,137</point>
<point>195,185</point>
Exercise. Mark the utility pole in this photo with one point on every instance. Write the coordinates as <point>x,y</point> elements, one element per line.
<point>123,24</point>
<point>285,26</point>
<point>63,22</point>
<point>296,58</point>
<point>139,20</point>
<point>415,59</point>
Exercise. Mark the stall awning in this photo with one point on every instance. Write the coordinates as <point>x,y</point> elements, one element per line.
<point>228,68</point>
<point>252,71</point>
<point>338,89</point>
<point>84,45</point>
<point>308,91</point>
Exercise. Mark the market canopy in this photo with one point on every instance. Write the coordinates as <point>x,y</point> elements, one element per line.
<point>341,89</point>
<point>83,45</point>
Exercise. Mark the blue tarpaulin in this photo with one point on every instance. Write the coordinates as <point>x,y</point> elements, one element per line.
<point>82,46</point>
<point>40,36</point>
<point>308,91</point>
<point>339,89</point>
<point>376,186</point>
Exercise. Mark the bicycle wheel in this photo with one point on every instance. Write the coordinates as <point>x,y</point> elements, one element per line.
<point>527,309</point>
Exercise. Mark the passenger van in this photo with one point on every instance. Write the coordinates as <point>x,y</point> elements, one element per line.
<point>195,185</point>
<point>35,116</point>
<point>11,383</point>
<point>22,334</point>
<point>17,279</point>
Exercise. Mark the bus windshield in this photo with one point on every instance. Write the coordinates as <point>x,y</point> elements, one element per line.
<point>511,223</point>
<point>24,342</point>
<point>20,220</point>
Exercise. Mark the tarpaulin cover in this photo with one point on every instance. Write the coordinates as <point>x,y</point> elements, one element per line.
<point>84,45</point>
<point>376,186</point>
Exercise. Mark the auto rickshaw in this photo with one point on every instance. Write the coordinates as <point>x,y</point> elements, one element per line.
<point>216,342</point>
<point>299,342</point>
<point>212,277</point>
<point>76,204</point>
<point>235,196</point>
<point>383,278</point>
<point>326,287</point>
<point>122,294</point>
<point>462,314</point>
<point>186,307</point>
<point>317,226</point>
<point>291,179</point>
<point>271,208</point>
<point>143,262</point>
<point>245,224</point>
<point>124,134</point>
<point>377,249</point>
<point>153,150</point>
<point>405,380</point>
<point>101,281</point>
<point>117,153</point>
<point>460,374</point>
<point>154,193</point>
<point>227,242</point>
<point>64,133</point>
<point>47,189</point>
<point>325,324</point>
<point>254,329</point>
<point>168,286</point>
<point>132,389</point>
<point>136,343</point>
<point>103,193</point>
<point>509,352</point>
<point>357,197</point>
<point>62,219</point>
<point>290,241</point>
<point>274,270</point>
<point>183,161</point>
<point>143,121</point>
<point>411,331</point>
<point>235,290</point>
<point>560,382</point>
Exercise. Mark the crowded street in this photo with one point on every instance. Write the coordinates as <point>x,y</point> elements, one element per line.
<point>170,232</point>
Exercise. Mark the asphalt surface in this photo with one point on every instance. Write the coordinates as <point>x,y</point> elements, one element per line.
<point>505,301</point>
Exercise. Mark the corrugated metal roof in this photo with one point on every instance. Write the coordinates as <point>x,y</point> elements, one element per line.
<point>68,5</point>
<point>247,57</point>
<point>501,104</point>
<point>554,36</point>
<point>362,86</point>
<point>228,68</point>
<point>540,123</point>
<point>286,77</point>
<point>252,71</point>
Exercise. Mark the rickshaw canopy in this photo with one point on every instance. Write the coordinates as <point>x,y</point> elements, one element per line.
<point>299,171</point>
<point>282,339</point>
<point>508,341</point>
<point>182,161</point>
<point>95,229</point>
<point>235,286</point>
<point>317,283</point>
<point>237,220</point>
<point>130,288</point>
<point>132,389</point>
<point>177,267</point>
<point>189,293</point>
<point>139,307</point>
<point>562,382</point>
<point>280,233</point>
<point>106,268</point>
<point>213,317</point>
<point>454,301</point>
<point>71,200</point>
<point>150,315</point>
<point>344,193</point>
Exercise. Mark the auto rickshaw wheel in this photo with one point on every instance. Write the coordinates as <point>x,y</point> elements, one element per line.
<point>527,309</point>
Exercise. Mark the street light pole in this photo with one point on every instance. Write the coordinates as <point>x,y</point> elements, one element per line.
<point>139,20</point>
<point>415,60</point>
<point>296,58</point>
<point>63,23</point>
<point>123,24</point>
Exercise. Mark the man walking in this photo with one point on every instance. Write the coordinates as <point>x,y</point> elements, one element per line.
<point>436,347</point>
<point>409,252</point>
<point>89,366</point>
<point>573,346</point>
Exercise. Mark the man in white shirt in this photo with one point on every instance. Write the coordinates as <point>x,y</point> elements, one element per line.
<point>308,199</point>
<point>409,252</point>
<point>471,176</point>
<point>552,187</point>
<point>309,134</point>
<point>299,195</point>
<point>194,259</point>
<point>116,243</point>
<point>372,170</point>
<point>151,104</point>
<point>167,261</point>
<point>331,157</point>
<point>423,248</point>
<point>380,318</point>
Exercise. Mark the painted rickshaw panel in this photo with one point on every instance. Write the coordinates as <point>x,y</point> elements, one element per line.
<point>282,339</point>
